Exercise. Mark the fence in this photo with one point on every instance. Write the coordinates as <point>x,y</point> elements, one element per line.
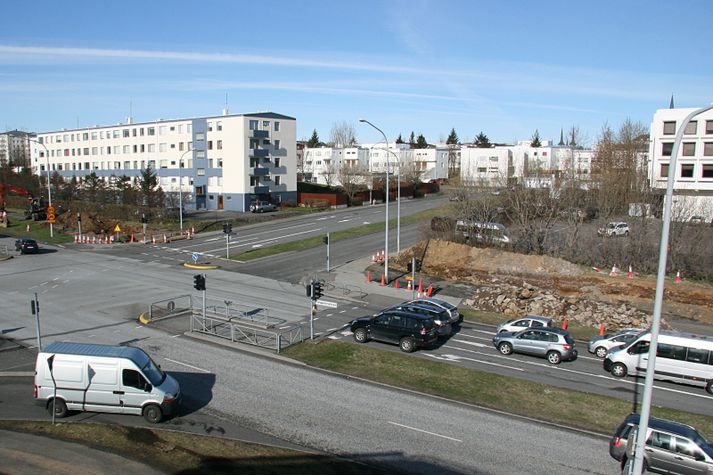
<point>173,307</point>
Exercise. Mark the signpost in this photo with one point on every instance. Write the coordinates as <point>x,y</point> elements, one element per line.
<point>50,214</point>
<point>326,303</point>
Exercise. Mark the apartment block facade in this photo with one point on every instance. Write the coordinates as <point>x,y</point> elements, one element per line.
<point>15,147</point>
<point>226,162</point>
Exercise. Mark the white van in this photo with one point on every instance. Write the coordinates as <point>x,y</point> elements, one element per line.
<point>680,357</point>
<point>102,378</point>
<point>492,233</point>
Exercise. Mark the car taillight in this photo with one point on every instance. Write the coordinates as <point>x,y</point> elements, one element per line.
<point>423,330</point>
<point>567,346</point>
<point>617,441</point>
<point>34,392</point>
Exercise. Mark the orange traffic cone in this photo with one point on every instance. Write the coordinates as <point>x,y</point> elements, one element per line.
<point>678,277</point>
<point>601,330</point>
<point>153,239</point>
<point>429,291</point>
<point>368,276</point>
<point>564,324</point>
<point>132,237</point>
<point>631,273</point>
<point>408,287</point>
<point>76,238</point>
<point>420,285</point>
<point>383,280</point>
<point>164,238</point>
<point>613,271</point>
<point>373,258</point>
<point>396,284</point>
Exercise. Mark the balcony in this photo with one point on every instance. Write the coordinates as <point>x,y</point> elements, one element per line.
<point>260,153</point>
<point>259,134</point>
<point>259,171</point>
<point>261,189</point>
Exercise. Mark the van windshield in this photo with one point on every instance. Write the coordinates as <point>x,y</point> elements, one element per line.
<point>153,373</point>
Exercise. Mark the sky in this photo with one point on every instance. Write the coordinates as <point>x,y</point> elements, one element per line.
<point>506,68</point>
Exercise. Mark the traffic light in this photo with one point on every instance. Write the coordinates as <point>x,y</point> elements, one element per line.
<point>418,265</point>
<point>144,218</point>
<point>199,282</point>
<point>325,239</point>
<point>409,266</point>
<point>317,290</point>
<point>308,289</point>
<point>227,228</point>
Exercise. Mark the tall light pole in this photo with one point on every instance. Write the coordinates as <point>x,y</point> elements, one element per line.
<point>386,239</point>
<point>49,185</point>
<point>398,204</point>
<point>180,190</point>
<point>658,302</point>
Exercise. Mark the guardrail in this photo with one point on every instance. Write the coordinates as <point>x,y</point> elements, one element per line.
<point>4,250</point>
<point>255,316</point>
<point>172,307</point>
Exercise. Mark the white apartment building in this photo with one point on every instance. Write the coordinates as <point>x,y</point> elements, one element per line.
<point>323,164</point>
<point>227,161</point>
<point>693,185</point>
<point>15,147</point>
<point>486,166</point>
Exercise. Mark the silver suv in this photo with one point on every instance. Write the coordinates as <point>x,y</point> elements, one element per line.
<point>614,229</point>
<point>671,447</point>
<point>262,206</point>
<point>552,343</point>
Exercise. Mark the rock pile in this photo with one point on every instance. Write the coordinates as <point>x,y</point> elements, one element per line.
<point>514,301</point>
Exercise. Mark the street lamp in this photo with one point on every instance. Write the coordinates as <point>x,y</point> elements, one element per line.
<point>386,238</point>
<point>398,203</point>
<point>49,186</point>
<point>658,302</point>
<point>180,190</point>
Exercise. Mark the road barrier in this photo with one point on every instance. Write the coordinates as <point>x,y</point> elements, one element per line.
<point>173,307</point>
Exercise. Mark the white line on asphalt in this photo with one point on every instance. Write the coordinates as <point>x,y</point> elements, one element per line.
<point>91,336</point>
<point>188,366</point>
<point>331,329</point>
<point>55,286</point>
<point>282,328</point>
<point>333,337</point>
<point>329,314</point>
<point>344,220</point>
<point>342,311</point>
<point>483,331</point>
<point>139,326</point>
<point>44,283</point>
<point>482,345</point>
<point>355,308</point>
<point>424,431</point>
<point>457,358</point>
<point>176,336</point>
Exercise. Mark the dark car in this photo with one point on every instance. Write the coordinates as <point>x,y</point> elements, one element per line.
<point>408,330</point>
<point>441,317</point>
<point>671,447</point>
<point>27,246</point>
<point>552,343</point>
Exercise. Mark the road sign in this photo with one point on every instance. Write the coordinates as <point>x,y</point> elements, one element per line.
<point>117,229</point>
<point>195,256</point>
<point>50,214</point>
<point>326,303</point>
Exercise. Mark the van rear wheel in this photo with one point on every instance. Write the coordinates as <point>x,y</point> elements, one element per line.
<point>60,408</point>
<point>709,387</point>
<point>152,413</point>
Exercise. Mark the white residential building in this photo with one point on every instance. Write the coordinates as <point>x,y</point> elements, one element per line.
<point>486,166</point>
<point>693,185</point>
<point>15,147</point>
<point>227,161</point>
<point>323,164</point>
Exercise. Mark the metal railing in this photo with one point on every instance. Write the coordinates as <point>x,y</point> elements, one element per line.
<point>172,307</point>
<point>247,314</point>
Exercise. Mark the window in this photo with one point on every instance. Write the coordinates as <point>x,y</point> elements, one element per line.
<point>94,150</point>
<point>127,149</point>
<point>86,151</point>
<point>686,170</point>
<point>210,145</point>
<point>116,134</point>
<point>127,165</point>
<point>85,136</point>
<point>180,146</point>
<point>697,356</point>
<point>669,128</point>
<point>210,126</point>
<point>277,180</point>
<point>220,163</point>
<point>152,147</point>
<point>277,126</point>
<point>277,161</point>
<point>254,181</point>
<point>639,348</point>
<point>689,149</point>
<point>135,148</point>
<point>163,163</point>
<point>664,170</point>
<point>116,150</point>
<point>265,124</point>
<point>151,131</point>
<point>662,441</point>
<point>172,128</point>
<point>708,149</point>
<point>219,144</point>
<point>672,352</point>
<point>133,379</point>
<point>200,171</point>
<point>709,127</point>
<point>707,171</point>
<point>666,149</point>
<point>253,125</point>
<point>162,147</point>
<point>691,128</point>
<point>133,132</point>
<point>173,145</point>
<point>254,162</point>
<point>200,136</point>
<point>94,135</point>
<point>277,143</point>
<point>162,130</point>
<point>200,154</point>
<point>125,133</point>
<point>688,448</point>
<point>219,125</point>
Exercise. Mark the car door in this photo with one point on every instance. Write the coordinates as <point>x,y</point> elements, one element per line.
<point>659,451</point>
<point>523,343</point>
<point>135,389</point>
<point>689,458</point>
<point>380,329</point>
<point>541,342</point>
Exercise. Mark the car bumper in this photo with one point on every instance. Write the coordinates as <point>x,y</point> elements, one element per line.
<point>570,355</point>
<point>170,408</point>
<point>607,364</point>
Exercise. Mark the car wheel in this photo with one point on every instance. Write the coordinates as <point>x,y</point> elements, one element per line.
<point>709,387</point>
<point>60,408</point>
<point>618,370</point>
<point>152,413</point>
<point>626,233</point>
<point>360,335</point>
<point>601,352</point>
<point>554,357</point>
<point>505,348</point>
<point>407,344</point>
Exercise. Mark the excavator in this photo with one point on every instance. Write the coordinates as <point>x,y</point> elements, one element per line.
<point>36,207</point>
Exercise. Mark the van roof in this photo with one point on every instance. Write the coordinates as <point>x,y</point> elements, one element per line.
<point>136,355</point>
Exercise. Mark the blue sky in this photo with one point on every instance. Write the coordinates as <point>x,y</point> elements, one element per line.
<point>505,68</point>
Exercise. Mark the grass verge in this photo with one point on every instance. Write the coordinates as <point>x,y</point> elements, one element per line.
<point>592,412</point>
<point>180,452</point>
<point>39,231</point>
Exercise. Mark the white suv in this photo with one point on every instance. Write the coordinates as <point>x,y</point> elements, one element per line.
<point>614,229</point>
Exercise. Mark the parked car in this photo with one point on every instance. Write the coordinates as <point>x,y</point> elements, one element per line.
<point>455,316</point>
<point>614,229</point>
<point>262,206</point>
<point>408,330</point>
<point>441,317</point>
<point>599,345</point>
<point>671,447</point>
<point>552,343</point>
<point>517,324</point>
<point>27,246</point>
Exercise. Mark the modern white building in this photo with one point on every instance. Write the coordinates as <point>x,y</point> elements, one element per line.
<point>323,164</point>
<point>486,166</point>
<point>693,185</point>
<point>15,147</point>
<point>227,161</point>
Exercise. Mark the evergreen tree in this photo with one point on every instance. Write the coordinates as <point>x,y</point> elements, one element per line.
<point>482,141</point>
<point>148,188</point>
<point>452,138</point>
<point>412,140</point>
<point>421,142</point>
<point>313,142</point>
<point>399,139</point>
<point>535,141</point>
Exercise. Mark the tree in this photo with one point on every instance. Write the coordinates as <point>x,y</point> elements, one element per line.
<point>94,188</point>
<point>342,135</point>
<point>329,172</point>
<point>313,142</point>
<point>410,176</point>
<point>124,190</point>
<point>352,179</point>
<point>399,140</point>
<point>453,163</point>
<point>421,142</point>
<point>412,140</point>
<point>452,138</point>
<point>149,190</point>
<point>482,141</point>
<point>535,141</point>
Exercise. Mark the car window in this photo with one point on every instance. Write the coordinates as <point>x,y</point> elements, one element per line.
<point>639,347</point>
<point>536,323</point>
<point>397,321</point>
<point>382,319</point>
<point>659,440</point>
<point>522,323</point>
<point>696,355</point>
<point>553,337</point>
<point>528,335</point>
<point>687,447</point>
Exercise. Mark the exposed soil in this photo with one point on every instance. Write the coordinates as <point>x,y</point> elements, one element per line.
<point>478,266</point>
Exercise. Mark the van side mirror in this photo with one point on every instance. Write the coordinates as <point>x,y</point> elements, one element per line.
<point>147,387</point>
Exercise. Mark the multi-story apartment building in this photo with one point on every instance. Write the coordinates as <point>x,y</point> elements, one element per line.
<point>486,166</point>
<point>323,164</point>
<point>15,147</point>
<point>226,162</point>
<point>693,185</point>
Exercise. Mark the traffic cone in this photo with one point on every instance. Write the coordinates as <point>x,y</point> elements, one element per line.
<point>631,273</point>
<point>429,291</point>
<point>132,237</point>
<point>601,330</point>
<point>564,324</point>
<point>373,258</point>
<point>383,280</point>
<point>678,277</point>
<point>76,238</point>
<point>613,271</point>
<point>420,285</point>
<point>164,238</point>
<point>409,288</point>
<point>396,284</point>
<point>193,230</point>
<point>153,239</point>
<point>94,240</point>
<point>368,276</point>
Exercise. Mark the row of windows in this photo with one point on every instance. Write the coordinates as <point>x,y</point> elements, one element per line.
<point>127,149</point>
<point>688,170</point>
<point>127,165</point>
<point>675,352</point>
<point>688,149</point>
<point>254,125</point>
<point>669,128</point>
<point>255,180</point>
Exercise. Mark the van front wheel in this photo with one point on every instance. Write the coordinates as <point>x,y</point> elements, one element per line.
<point>709,387</point>
<point>153,414</point>
<point>60,408</point>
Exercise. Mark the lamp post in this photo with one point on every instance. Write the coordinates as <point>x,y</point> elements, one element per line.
<point>398,204</point>
<point>658,302</point>
<point>386,238</point>
<point>180,190</point>
<point>49,185</point>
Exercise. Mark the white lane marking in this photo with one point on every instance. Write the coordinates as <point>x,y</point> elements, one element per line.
<point>342,311</point>
<point>344,220</point>
<point>176,336</point>
<point>329,315</point>
<point>424,431</point>
<point>366,222</point>
<point>346,332</point>
<point>55,286</point>
<point>331,329</point>
<point>483,331</point>
<point>44,283</point>
<point>322,218</point>
<point>481,345</point>
<point>187,365</point>
<point>456,359</point>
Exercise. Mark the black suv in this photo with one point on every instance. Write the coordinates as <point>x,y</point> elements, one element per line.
<point>408,330</point>
<point>441,317</point>
<point>26,246</point>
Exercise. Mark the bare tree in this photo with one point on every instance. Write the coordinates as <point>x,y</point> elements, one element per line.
<point>342,135</point>
<point>329,172</point>
<point>534,211</point>
<point>352,178</point>
<point>410,175</point>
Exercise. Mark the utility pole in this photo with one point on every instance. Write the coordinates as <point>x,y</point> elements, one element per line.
<point>326,241</point>
<point>35,306</point>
